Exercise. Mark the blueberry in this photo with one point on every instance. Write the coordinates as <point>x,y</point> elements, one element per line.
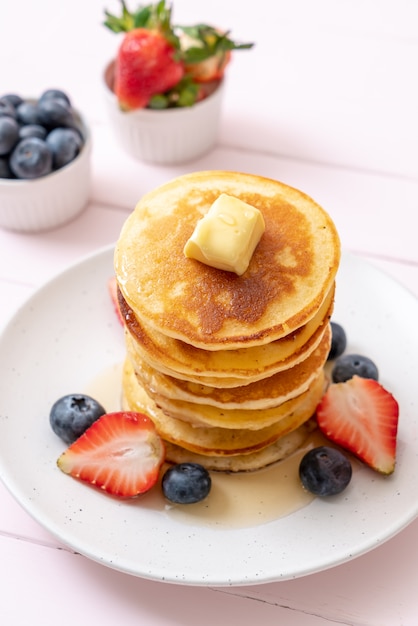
<point>5,171</point>
<point>6,108</point>
<point>12,99</point>
<point>54,113</point>
<point>186,483</point>
<point>9,134</point>
<point>338,341</point>
<point>348,365</point>
<point>71,415</point>
<point>55,94</point>
<point>64,144</point>
<point>31,158</point>
<point>33,130</point>
<point>27,113</point>
<point>325,471</point>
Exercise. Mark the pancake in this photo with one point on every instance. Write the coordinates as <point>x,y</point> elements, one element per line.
<point>264,394</point>
<point>291,271</point>
<point>275,452</point>
<point>224,368</point>
<point>212,441</point>
<point>238,419</point>
<point>229,367</point>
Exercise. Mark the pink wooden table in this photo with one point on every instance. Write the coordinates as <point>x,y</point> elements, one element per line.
<point>327,101</point>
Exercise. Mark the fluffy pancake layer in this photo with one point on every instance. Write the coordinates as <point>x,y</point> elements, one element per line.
<point>277,451</point>
<point>224,368</point>
<point>217,441</point>
<point>271,392</point>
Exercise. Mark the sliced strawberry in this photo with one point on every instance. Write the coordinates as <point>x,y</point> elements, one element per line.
<point>361,416</point>
<point>207,51</point>
<point>121,453</point>
<point>210,69</point>
<point>112,286</point>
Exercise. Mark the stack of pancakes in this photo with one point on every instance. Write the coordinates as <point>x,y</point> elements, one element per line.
<point>229,368</point>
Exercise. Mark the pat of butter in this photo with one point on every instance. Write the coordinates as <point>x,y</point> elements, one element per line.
<point>227,235</point>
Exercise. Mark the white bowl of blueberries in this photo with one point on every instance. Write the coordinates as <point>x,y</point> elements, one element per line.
<point>45,148</point>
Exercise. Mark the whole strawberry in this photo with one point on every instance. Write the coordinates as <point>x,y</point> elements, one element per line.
<point>147,62</point>
<point>145,66</point>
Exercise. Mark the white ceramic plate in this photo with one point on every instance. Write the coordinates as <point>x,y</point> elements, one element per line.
<point>67,333</point>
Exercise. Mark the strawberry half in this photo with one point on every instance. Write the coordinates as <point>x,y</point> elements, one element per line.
<point>207,51</point>
<point>112,286</point>
<point>210,69</point>
<point>121,453</point>
<point>361,416</point>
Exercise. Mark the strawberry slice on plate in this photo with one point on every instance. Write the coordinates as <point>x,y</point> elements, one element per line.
<point>121,453</point>
<point>361,416</point>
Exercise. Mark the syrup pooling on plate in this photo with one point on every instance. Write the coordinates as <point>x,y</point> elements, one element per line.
<point>236,500</point>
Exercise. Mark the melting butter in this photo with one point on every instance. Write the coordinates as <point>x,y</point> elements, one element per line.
<point>227,236</point>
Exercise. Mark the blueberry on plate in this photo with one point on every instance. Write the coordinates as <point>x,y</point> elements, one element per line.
<point>338,341</point>
<point>349,365</point>
<point>325,471</point>
<point>186,483</point>
<point>9,134</point>
<point>31,158</point>
<point>64,144</point>
<point>71,415</point>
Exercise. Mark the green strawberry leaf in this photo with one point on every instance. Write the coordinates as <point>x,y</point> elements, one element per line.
<point>206,41</point>
<point>142,17</point>
<point>122,23</point>
<point>146,16</point>
<point>184,94</point>
<point>158,102</point>
<point>188,95</point>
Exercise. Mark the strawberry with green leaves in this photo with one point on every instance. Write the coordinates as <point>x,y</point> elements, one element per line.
<point>148,62</point>
<point>206,51</point>
<point>145,66</point>
<point>120,453</point>
<point>361,416</point>
<point>160,65</point>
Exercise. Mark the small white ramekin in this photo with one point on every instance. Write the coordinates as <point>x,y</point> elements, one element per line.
<point>30,206</point>
<point>164,137</point>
